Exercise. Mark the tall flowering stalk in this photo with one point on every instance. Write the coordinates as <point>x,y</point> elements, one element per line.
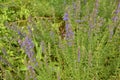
<point>92,25</point>
<point>27,43</point>
<point>28,46</point>
<point>92,20</point>
<point>117,11</point>
<point>115,20</point>
<point>93,16</point>
<point>69,36</point>
<point>76,10</point>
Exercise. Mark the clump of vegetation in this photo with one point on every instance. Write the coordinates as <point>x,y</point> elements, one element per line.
<point>59,40</point>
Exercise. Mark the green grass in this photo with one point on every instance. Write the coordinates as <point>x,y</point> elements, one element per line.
<point>31,46</point>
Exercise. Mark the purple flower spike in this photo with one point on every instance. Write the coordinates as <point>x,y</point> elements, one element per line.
<point>115,18</point>
<point>65,18</point>
<point>69,34</point>
<point>28,46</point>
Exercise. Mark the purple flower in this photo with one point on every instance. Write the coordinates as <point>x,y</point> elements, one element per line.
<point>19,32</point>
<point>28,46</point>
<point>69,34</point>
<point>115,18</point>
<point>65,18</point>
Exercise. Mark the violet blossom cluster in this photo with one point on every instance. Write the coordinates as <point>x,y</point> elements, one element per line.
<point>28,46</point>
<point>69,36</point>
<point>115,20</point>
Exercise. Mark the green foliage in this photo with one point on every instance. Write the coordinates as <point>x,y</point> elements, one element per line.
<point>94,50</point>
